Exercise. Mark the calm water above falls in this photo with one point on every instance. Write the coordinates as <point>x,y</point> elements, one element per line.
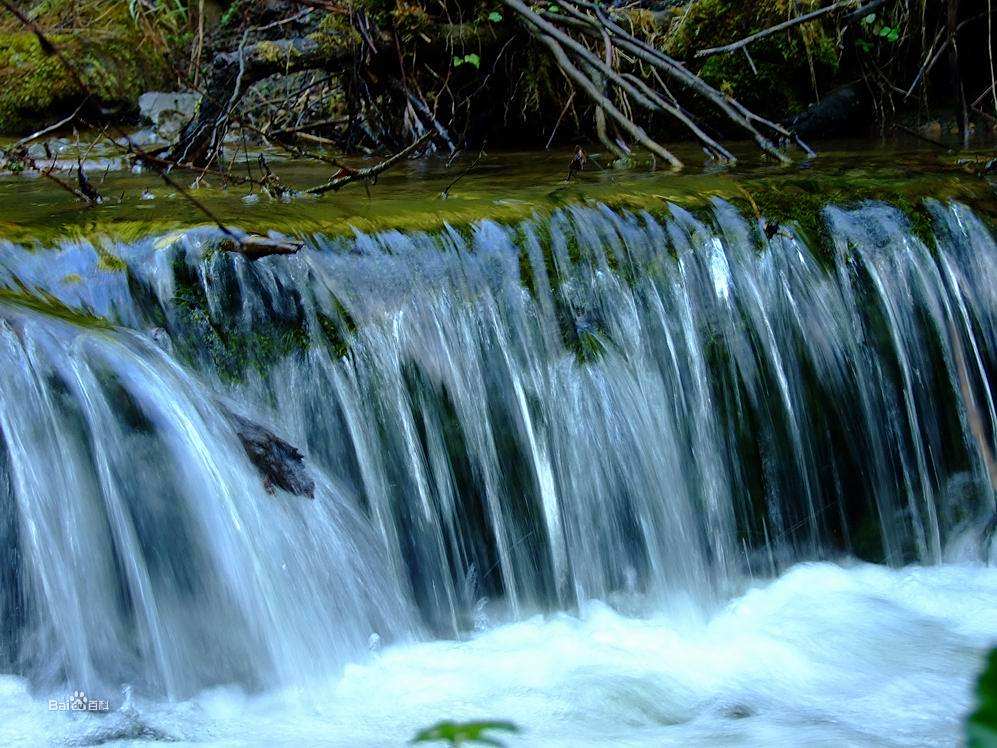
<point>608,475</point>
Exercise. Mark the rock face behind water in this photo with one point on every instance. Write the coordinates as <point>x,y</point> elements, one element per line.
<point>279,462</point>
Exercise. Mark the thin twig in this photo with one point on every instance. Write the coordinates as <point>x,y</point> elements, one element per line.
<point>806,17</point>
<point>46,130</point>
<point>371,172</point>
<point>557,124</point>
<point>446,190</point>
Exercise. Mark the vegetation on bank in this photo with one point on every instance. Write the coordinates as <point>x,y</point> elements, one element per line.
<point>981,728</point>
<point>480,71</point>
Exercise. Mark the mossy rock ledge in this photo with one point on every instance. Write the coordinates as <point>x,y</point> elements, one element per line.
<point>112,53</point>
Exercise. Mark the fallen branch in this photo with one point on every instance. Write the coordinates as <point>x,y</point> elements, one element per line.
<point>553,38</point>
<point>734,110</point>
<point>46,130</point>
<point>446,190</point>
<point>255,246</point>
<point>805,18</point>
<point>370,173</point>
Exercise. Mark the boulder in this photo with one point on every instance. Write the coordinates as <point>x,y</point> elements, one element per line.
<point>168,111</point>
<point>843,111</point>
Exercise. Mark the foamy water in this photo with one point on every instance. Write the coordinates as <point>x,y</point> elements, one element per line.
<point>824,655</point>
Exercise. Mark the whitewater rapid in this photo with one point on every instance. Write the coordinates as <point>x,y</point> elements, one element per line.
<point>844,654</point>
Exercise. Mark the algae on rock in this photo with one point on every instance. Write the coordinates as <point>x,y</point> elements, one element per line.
<point>115,56</point>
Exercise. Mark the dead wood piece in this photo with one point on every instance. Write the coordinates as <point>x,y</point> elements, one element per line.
<point>255,246</point>
<point>370,173</point>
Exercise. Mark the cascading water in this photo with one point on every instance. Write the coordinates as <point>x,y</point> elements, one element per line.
<point>646,411</point>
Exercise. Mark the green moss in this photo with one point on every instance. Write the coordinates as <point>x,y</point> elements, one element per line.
<point>335,31</point>
<point>271,52</point>
<point>47,304</point>
<point>232,353</point>
<point>109,50</point>
<point>918,215</point>
<point>338,331</point>
<point>526,270</point>
<point>798,206</point>
<point>109,262</point>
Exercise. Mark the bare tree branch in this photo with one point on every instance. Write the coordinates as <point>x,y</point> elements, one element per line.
<point>370,173</point>
<point>806,17</point>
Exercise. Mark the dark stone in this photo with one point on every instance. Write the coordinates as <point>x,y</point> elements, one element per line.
<point>844,111</point>
<point>280,463</point>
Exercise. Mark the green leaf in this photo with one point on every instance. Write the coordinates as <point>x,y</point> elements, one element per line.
<point>981,728</point>
<point>863,45</point>
<point>893,35</point>
<point>457,61</point>
<point>869,19</point>
<point>472,59</point>
<point>495,16</point>
<point>885,31</point>
<point>554,9</point>
<point>458,733</point>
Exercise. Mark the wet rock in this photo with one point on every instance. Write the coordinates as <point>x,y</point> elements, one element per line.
<point>842,112</point>
<point>168,111</point>
<point>279,462</point>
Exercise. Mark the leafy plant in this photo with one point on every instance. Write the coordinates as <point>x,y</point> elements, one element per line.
<point>230,13</point>
<point>882,30</point>
<point>495,17</point>
<point>890,33</point>
<point>459,733</point>
<point>981,728</point>
<point>470,59</point>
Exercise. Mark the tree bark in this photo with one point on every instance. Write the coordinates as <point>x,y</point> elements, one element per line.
<point>962,110</point>
<point>234,73</point>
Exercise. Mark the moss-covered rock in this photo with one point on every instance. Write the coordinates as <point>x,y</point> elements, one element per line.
<point>113,52</point>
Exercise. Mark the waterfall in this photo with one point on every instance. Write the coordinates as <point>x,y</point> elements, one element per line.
<point>499,420</point>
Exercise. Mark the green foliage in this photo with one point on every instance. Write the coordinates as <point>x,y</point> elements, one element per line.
<point>890,33</point>
<point>230,13</point>
<point>495,17</point>
<point>459,733</point>
<point>874,28</point>
<point>470,59</point>
<point>981,728</point>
